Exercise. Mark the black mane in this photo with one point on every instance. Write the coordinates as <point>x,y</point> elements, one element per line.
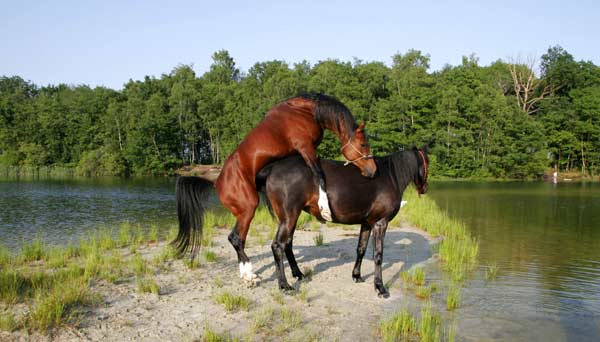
<point>403,166</point>
<point>331,110</point>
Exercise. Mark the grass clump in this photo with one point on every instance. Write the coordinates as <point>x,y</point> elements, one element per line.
<point>232,302</point>
<point>8,322</point>
<point>263,319</point>
<point>125,234</point>
<point>148,285</point>
<point>423,292</point>
<point>153,234</point>
<point>166,254</point>
<point>400,327</point>
<point>453,298</point>
<point>430,325</point>
<point>5,256</point>
<point>290,320</point>
<point>318,239</point>
<point>34,251</point>
<point>12,286</point>
<point>414,277</point>
<point>209,335</point>
<point>458,250</point>
<point>57,307</point>
<point>209,255</point>
<point>139,265</point>
<point>278,297</point>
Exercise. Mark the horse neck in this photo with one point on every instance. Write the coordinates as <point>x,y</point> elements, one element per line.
<point>338,123</point>
<point>404,166</point>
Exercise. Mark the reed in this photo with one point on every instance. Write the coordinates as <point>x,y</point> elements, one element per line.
<point>458,250</point>
<point>430,325</point>
<point>453,297</point>
<point>400,327</point>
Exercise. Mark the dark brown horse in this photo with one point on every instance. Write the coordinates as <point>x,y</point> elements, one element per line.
<point>294,126</point>
<point>291,189</point>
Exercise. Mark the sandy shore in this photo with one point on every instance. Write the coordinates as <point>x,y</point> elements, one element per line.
<point>330,306</point>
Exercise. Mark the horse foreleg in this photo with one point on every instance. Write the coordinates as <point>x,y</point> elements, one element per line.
<point>363,241</point>
<point>279,247</point>
<point>309,155</point>
<point>379,234</point>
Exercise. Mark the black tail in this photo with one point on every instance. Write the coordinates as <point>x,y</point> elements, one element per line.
<point>191,196</point>
<point>261,186</point>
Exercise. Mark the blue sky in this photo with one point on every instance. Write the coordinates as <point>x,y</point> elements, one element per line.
<point>109,42</point>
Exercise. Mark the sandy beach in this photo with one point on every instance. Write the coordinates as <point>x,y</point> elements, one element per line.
<point>329,306</point>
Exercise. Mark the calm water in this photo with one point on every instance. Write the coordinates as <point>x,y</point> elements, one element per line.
<point>545,239</point>
<point>66,210</point>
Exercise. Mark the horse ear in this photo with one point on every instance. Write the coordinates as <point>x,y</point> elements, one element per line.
<point>361,127</point>
<point>425,148</point>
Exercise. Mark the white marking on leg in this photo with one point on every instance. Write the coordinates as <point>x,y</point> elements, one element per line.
<point>246,272</point>
<point>324,205</point>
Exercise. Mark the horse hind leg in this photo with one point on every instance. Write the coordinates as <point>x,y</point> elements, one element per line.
<point>378,237</point>
<point>237,238</point>
<point>279,247</point>
<point>289,253</point>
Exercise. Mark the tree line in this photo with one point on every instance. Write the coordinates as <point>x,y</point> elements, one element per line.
<point>506,120</point>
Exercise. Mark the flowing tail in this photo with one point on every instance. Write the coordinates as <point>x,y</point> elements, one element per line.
<point>191,197</point>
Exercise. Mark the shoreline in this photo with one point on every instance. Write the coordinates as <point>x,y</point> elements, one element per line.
<point>185,308</point>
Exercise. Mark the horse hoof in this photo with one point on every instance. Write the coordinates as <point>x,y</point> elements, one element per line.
<point>299,276</point>
<point>287,289</point>
<point>383,293</point>
<point>358,279</point>
<point>251,280</point>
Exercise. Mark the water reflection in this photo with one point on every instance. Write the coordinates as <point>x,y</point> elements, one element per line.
<point>546,240</point>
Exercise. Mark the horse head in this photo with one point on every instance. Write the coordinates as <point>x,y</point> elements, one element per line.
<point>356,151</point>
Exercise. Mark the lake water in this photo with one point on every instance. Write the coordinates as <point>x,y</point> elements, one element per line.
<point>65,210</point>
<point>545,239</point>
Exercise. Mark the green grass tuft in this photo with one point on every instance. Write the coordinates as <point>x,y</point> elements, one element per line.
<point>318,239</point>
<point>453,298</point>
<point>232,302</point>
<point>148,285</point>
<point>34,251</point>
<point>430,325</point>
<point>8,322</point>
<point>400,327</point>
<point>209,255</point>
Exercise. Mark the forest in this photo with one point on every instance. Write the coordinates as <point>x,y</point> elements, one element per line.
<point>513,119</point>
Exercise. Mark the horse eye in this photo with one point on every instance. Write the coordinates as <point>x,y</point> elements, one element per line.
<point>363,145</point>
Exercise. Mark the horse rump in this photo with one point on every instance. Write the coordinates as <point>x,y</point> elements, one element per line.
<point>190,197</point>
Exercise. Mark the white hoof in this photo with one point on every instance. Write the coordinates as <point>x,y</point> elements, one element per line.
<point>324,205</point>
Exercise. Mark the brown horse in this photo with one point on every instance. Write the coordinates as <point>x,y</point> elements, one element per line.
<point>293,126</point>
